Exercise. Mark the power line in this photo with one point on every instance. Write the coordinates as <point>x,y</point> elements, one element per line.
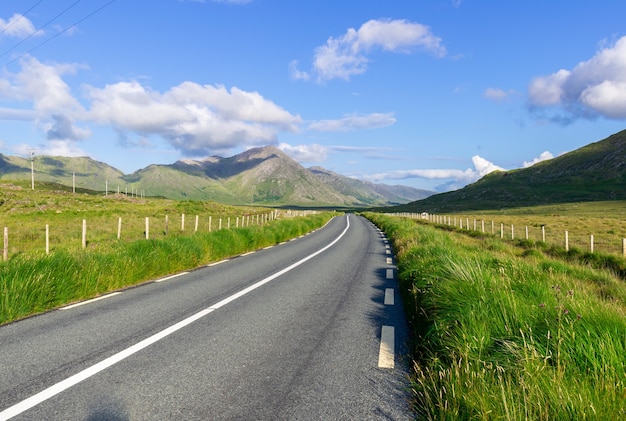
<point>42,27</point>
<point>63,31</point>
<point>6,28</point>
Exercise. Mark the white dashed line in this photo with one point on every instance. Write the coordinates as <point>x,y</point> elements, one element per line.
<point>217,263</point>
<point>389,261</point>
<point>389,297</point>
<point>387,347</point>
<point>171,277</point>
<point>90,301</point>
<point>389,273</point>
<point>247,254</point>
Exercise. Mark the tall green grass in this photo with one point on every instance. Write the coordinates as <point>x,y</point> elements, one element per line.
<point>31,284</point>
<point>501,333</point>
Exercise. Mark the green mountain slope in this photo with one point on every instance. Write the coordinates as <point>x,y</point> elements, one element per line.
<point>596,172</point>
<point>264,176</point>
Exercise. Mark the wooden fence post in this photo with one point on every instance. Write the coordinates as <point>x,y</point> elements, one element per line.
<point>147,227</point>
<point>512,232</point>
<point>527,232</point>
<point>543,233</point>
<point>210,223</point>
<point>501,230</point>
<point>47,239</point>
<point>119,228</point>
<point>84,233</point>
<point>566,241</point>
<point>5,253</point>
<point>196,226</point>
<point>167,224</point>
<point>182,223</point>
<point>591,243</point>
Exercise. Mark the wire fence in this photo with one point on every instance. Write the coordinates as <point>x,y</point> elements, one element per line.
<point>571,237</point>
<point>45,234</point>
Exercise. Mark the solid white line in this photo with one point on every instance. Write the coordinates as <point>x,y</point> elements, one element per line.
<point>389,297</point>
<point>268,247</point>
<point>102,365</point>
<point>89,301</point>
<point>171,277</point>
<point>247,254</point>
<point>217,263</point>
<point>389,273</point>
<point>387,347</point>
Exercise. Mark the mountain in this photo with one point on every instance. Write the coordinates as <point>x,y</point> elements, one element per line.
<point>595,172</point>
<point>264,176</point>
<point>367,192</point>
<point>88,173</point>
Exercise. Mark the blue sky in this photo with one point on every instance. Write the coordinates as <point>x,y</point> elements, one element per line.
<point>428,93</point>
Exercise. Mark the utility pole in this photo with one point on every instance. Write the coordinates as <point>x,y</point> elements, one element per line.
<point>31,151</point>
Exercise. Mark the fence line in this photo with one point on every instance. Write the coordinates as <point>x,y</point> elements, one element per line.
<point>565,238</point>
<point>102,230</point>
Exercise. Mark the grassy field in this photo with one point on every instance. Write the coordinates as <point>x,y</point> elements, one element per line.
<point>509,329</point>
<point>603,220</point>
<point>32,281</point>
<point>25,213</point>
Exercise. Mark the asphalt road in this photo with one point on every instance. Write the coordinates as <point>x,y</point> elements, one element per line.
<point>312,329</point>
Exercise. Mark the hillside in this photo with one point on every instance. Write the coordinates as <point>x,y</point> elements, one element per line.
<point>264,176</point>
<point>596,172</point>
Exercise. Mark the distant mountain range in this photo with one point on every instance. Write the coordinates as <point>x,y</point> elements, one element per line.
<point>263,176</point>
<point>596,172</point>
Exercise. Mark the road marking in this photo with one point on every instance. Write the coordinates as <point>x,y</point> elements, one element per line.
<point>389,261</point>
<point>387,344</point>
<point>246,254</point>
<point>389,273</point>
<point>171,277</point>
<point>268,247</point>
<point>387,246</point>
<point>55,389</point>
<point>387,251</point>
<point>217,263</point>
<point>389,297</point>
<point>89,301</point>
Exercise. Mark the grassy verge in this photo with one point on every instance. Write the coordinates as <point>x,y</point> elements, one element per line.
<point>32,284</point>
<point>507,332</point>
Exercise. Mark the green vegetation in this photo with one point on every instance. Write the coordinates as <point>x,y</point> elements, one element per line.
<point>603,220</point>
<point>591,173</point>
<point>32,282</point>
<point>501,330</point>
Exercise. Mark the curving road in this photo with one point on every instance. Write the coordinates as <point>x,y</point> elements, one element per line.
<point>311,329</point>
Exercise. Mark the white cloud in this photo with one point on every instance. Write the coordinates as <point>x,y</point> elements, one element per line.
<point>305,153</point>
<point>18,26</point>
<point>295,73</point>
<point>354,122</point>
<point>195,119</point>
<point>543,156</point>
<point>497,94</point>
<point>456,178</point>
<point>343,57</point>
<point>593,87</point>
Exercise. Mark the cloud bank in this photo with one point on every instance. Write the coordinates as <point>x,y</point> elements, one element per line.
<point>596,87</point>
<point>456,178</point>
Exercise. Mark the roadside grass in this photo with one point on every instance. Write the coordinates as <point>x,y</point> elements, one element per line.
<point>33,283</point>
<point>502,330</point>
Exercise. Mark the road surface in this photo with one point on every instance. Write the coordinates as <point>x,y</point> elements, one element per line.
<point>312,329</point>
